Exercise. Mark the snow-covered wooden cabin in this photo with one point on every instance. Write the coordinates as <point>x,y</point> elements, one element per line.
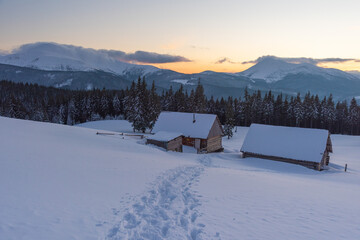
<point>171,141</point>
<point>303,146</point>
<point>201,131</point>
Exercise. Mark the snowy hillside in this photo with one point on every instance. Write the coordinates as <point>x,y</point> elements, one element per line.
<point>272,69</point>
<point>53,56</point>
<point>63,182</point>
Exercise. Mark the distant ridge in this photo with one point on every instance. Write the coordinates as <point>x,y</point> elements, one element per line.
<point>73,67</point>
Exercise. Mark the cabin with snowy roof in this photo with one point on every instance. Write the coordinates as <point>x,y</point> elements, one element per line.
<point>201,131</point>
<point>303,146</point>
<point>171,141</point>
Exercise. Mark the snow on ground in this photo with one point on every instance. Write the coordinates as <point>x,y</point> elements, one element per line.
<point>109,125</point>
<point>183,81</point>
<point>62,182</point>
<point>63,84</point>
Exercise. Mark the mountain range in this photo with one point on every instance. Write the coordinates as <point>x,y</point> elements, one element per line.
<point>67,66</point>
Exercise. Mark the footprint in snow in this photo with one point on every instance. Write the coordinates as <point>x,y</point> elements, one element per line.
<point>168,211</point>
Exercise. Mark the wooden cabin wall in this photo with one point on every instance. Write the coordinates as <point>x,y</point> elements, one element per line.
<point>156,143</point>
<point>329,144</point>
<point>312,165</point>
<point>214,144</point>
<point>175,145</point>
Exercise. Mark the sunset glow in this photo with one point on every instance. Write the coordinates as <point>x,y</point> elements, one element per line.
<point>205,32</point>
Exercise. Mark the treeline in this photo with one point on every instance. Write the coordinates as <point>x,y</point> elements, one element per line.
<point>140,104</point>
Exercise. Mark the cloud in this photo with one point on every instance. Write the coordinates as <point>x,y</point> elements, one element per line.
<point>199,47</point>
<point>136,57</point>
<point>144,57</point>
<point>313,61</point>
<point>225,60</point>
<point>152,57</point>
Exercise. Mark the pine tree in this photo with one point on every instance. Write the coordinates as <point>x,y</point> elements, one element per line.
<point>129,103</point>
<point>298,110</point>
<point>246,108</point>
<point>154,106</point>
<point>71,112</point>
<point>104,105</point>
<point>117,105</point>
<point>229,116</point>
<point>354,117</point>
<point>199,99</point>
<point>63,114</point>
<point>278,108</point>
<point>268,108</point>
<point>179,99</point>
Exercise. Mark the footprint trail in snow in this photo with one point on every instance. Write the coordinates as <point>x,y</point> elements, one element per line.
<point>167,211</point>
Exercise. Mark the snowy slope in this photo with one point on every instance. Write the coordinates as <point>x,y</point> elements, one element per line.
<point>272,69</point>
<point>54,56</point>
<point>69,183</point>
<point>60,182</point>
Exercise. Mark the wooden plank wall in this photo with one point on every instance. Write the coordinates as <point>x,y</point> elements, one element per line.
<point>214,144</point>
<point>175,145</point>
<point>156,143</point>
<point>312,165</point>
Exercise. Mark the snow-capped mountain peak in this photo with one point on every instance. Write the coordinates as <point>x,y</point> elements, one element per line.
<point>272,69</point>
<point>54,56</point>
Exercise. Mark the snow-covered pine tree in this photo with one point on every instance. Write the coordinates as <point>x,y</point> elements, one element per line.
<point>104,106</point>
<point>210,108</point>
<point>268,108</point>
<point>191,101</point>
<point>154,106</point>
<point>141,117</point>
<point>145,106</point>
<point>246,108</point>
<point>62,114</point>
<point>71,112</point>
<point>137,109</point>
<point>354,117</point>
<point>229,118</point>
<point>316,108</point>
<point>179,99</point>
<point>117,105</point>
<point>331,116</point>
<point>199,99</point>
<point>129,103</point>
<point>341,112</point>
<point>237,111</point>
<point>278,107</point>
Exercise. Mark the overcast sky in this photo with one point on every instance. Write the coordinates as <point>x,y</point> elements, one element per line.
<point>214,35</point>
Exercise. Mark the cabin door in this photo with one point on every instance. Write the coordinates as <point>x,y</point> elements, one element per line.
<point>197,143</point>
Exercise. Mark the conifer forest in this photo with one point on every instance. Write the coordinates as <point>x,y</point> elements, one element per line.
<point>141,105</point>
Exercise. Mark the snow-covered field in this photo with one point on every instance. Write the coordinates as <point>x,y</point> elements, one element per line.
<point>62,182</point>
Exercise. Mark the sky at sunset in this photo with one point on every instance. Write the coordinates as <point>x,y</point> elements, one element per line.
<point>208,35</point>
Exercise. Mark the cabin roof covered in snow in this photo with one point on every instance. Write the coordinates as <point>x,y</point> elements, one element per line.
<point>164,136</point>
<point>301,144</point>
<point>184,123</point>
